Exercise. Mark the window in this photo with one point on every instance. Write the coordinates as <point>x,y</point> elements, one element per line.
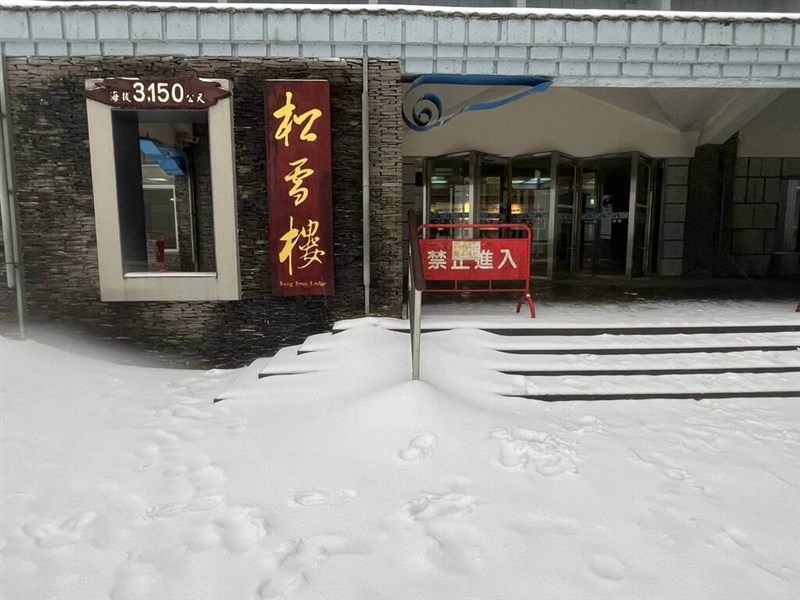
<point>163,182</point>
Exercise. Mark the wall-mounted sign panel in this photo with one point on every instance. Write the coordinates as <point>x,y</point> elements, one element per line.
<point>186,92</point>
<point>299,187</point>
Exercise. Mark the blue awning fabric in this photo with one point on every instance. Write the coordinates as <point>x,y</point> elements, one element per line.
<point>424,109</point>
<point>171,160</point>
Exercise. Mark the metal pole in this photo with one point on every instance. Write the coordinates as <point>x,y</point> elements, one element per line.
<point>365,178</point>
<point>8,203</point>
<point>416,285</point>
<point>5,209</point>
<point>632,214</point>
<point>552,221</point>
<point>414,321</point>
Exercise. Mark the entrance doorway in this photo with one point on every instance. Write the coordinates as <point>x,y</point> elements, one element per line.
<point>602,207</point>
<point>605,215</point>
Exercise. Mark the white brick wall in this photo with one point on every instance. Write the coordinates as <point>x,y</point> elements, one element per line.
<point>581,49</point>
<point>248,26</point>
<point>79,25</point>
<point>181,26</point>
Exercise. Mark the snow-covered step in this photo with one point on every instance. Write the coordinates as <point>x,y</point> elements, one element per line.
<point>620,387</point>
<point>244,381</point>
<point>287,362</point>
<point>690,362</point>
<point>643,343</point>
<point>317,343</point>
<point>648,364</point>
<point>533,327</point>
<point>656,330</point>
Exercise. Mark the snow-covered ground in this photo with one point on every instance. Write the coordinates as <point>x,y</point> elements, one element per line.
<point>350,481</point>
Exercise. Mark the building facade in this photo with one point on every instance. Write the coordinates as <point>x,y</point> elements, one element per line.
<point>667,144</point>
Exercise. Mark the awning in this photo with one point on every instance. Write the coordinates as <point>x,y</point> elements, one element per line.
<point>424,106</point>
<point>171,160</point>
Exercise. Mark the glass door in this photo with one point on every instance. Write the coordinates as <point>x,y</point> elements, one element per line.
<point>605,196</point>
<point>530,204</point>
<point>449,189</point>
<point>591,219</point>
<point>565,226</point>
<point>639,225</point>
<point>492,193</point>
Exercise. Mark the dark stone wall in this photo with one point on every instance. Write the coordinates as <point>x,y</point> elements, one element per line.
<point>386,190</point>
<point>184,225</point>
<point>711,177</point>
<point>57,212</point>
<point>203,201</point>
<point>755,228</point>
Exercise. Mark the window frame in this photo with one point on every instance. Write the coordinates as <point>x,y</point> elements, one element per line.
<point>118,286</point>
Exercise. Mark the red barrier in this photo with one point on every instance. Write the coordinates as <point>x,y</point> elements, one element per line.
<point>478,260</point>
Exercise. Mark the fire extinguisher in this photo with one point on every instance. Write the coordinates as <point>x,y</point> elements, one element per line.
<point>160,259</point>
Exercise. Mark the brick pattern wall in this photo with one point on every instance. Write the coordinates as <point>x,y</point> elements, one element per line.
<point>203,203</point>
<point>386,188</point>
<point>757,215</point>
<point>184,224</point>
<point>579,48</point>
<point>673,219</point>
<point>57,220</point>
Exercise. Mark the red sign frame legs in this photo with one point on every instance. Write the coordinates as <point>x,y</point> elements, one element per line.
<point>453,261</point>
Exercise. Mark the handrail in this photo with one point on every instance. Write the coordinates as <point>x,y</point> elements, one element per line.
<point>416,254</point>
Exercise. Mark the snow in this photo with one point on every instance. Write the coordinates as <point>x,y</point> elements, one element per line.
<point>347,480</point>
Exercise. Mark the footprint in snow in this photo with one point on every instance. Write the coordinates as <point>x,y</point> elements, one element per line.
<point>607,567</point>
<point>288,567</point>
<point>419,447</point>
<point>50,533</point>
<point>427,507</point>
<point>551,454</point>
<point>738,536</point>
<point>242,527</point>
<point>173,509</point>
<point>325,498</point>
<point>456,546</point>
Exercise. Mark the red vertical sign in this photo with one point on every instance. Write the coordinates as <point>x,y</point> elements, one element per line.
<point>299,187</point>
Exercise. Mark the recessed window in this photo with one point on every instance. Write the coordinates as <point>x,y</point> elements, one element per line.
<point>164,190</point>
<point>163,182</point>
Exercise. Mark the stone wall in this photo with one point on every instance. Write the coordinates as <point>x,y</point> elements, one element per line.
<point>386,185</point>
<point>758,216</point>
<point>57,211</point>
<point>673,218</point>
<point>203,202</point>
<point>706,251</point>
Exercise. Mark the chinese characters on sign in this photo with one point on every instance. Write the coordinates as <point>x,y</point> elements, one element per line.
<point>299,187</point>
<point>478,260</point>
<point>182,93</point>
